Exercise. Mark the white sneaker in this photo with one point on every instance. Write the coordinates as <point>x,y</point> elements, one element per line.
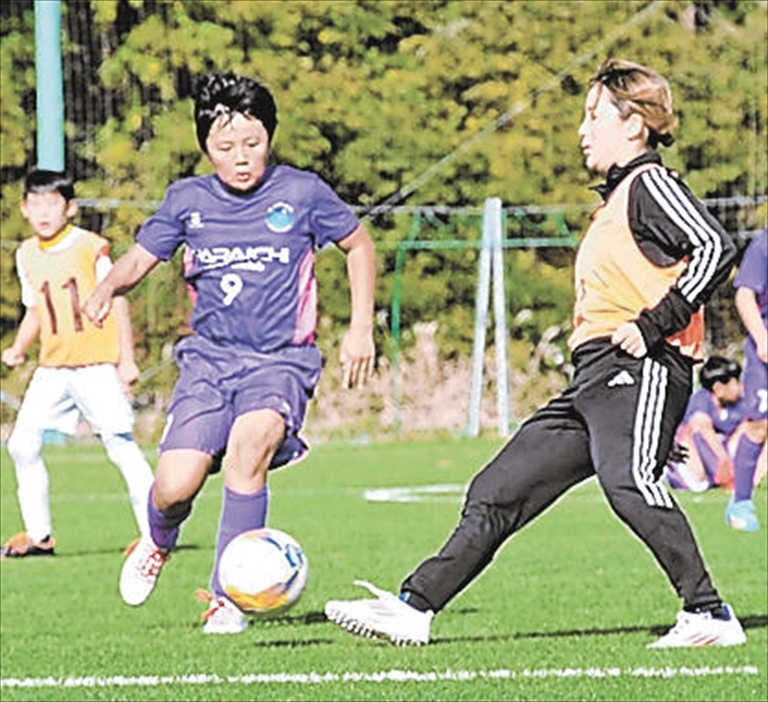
<point>702,629</point>
<point>141,570</point>
<point>223,617</point>
<point>386,617</point>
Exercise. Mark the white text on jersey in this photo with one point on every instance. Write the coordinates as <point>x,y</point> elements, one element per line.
<point>253,257</point>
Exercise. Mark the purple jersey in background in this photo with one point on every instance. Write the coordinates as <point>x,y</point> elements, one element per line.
<point>753,272</point>
<point>753,275</point>
<point>250,257</point>
<point>725,420</point>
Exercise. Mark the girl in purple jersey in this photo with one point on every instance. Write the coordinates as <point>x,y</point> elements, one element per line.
<point>750,452</point>
<point>249,232</point>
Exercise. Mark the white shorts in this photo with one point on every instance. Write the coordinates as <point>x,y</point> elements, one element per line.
<point>57,397</point>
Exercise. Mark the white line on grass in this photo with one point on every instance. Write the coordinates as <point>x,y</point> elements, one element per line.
<point>315,678</point>
<point>449,492</point>
<point>444,492</point>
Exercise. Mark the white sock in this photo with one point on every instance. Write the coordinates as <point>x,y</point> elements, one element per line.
<point>127,456</point>
<point>32,480</point>
<point>694,483</point>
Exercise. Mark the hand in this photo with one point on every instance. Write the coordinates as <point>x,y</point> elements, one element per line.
<point>630,339</point>
<point>98,305</point>
<point>12,358</point>
<point>356,356</point>
<point>128,372</point>
<point>678,454</point>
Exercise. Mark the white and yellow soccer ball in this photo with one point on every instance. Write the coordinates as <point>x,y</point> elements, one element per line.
<point>263,571</point>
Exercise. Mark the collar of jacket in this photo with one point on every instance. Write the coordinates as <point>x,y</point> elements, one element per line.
<point>617,173</point>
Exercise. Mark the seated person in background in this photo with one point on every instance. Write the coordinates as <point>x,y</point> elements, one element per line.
<point>712,419</point>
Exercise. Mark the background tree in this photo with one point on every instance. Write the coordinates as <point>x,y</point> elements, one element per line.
<point>406,102</point>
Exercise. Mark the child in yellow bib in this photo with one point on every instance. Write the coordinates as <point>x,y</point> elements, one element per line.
<point>83,370</point>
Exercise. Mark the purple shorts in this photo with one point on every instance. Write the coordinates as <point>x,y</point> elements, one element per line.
<point>217,384</point>
<point>755,381</point>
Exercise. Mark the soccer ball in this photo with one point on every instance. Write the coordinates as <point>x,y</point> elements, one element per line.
<point>263,571</point>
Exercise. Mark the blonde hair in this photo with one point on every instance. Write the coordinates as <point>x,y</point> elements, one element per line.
<point>636,89</point>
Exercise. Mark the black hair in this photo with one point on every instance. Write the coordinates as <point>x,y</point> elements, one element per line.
<point>718,369</point>
<point>42,181</point>
<point>217,94</point>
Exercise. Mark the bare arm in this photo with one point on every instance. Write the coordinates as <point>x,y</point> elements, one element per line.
<point>28,331</point>
<point>127,369</point>
<point>357,349</point>
<point>128,270</point>
<point>746,304</point>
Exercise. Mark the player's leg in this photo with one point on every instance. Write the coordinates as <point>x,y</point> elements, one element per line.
<point>632,428</point>
<point>270,403</point>
<point>104,404</point>
<point>123,451</point>
<point>547,456</point>
<point>32,481</point>
<point>762,465</point>
<point>198,421</point>
<point>253,440</point>
<point>689,472</point>
<point>46,405</point>
<point>713,457</point>
<point>181,473</point>
<point>749,444</point>
<point>194,438</point>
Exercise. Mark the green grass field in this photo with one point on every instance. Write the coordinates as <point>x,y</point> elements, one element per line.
<point>564,612</point>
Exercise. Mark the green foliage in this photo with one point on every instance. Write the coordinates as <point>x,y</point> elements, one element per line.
<point>438,102</point>
<point>17,60</point>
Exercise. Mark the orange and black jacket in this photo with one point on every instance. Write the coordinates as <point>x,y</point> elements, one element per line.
<point>653,255</point>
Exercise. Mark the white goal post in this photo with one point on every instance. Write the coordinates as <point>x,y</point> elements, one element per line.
<point>490,269</point>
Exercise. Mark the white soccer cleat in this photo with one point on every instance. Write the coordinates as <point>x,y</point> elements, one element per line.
<point>386,617</point>
<point>702,629</point>
<point>223,617</point>
<point>141,570</point>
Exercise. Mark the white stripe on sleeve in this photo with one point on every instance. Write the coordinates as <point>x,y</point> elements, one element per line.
<point>707,247</point>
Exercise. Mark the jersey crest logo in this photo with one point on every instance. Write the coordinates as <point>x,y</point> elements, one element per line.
<point>280,217</point>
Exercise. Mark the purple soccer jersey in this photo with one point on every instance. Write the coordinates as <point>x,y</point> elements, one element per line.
<point>753,274</point>
<point>725,420</point>
<point>249,258</point>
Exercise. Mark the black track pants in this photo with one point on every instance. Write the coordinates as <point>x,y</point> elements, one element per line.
<point>617,420</point>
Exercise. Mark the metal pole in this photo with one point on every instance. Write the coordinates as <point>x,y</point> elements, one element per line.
<point>499,316</point>
<point>481,322</point>
<point>49,85</point>
<point>395,315</point>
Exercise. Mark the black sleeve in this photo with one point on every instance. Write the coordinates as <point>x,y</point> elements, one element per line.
<point>669,223</point>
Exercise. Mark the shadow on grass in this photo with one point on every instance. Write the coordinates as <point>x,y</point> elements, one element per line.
<point>106,552</point>
<point>752,621</point>
<point>287,643</point>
